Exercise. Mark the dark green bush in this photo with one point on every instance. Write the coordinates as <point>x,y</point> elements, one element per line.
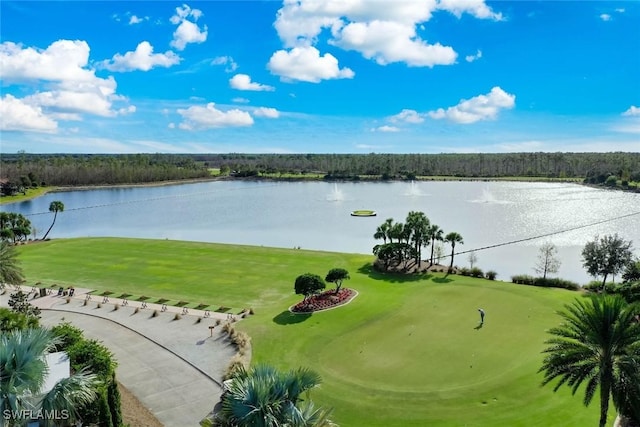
<point>524,279</point>
<point>464,271</point>
<point>477,272</point>
<point>491,275</point>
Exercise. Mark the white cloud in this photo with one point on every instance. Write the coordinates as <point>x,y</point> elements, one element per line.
<point>270,113</point>
<point>20,116</point>
<point>62,60</point>
<point>407,116</point>
<point>620,10</point>
<point>388,42</point>
<point>187,31</point>
<point>73,101</point>
<point>243,82</point>
<point>239,100</point>
<point>386,128</point>
<point>142,58</point>
<point>632,111</point>
<point>605,17</point>
<point>471,58</point>
<point>381,30</point>
<point>208,117</point>
<point>306,64</point>
<point>231,65</point>
<point>476,8</point>
<point>481,107</point>
<point>136,20</point>
<point>72,87</point>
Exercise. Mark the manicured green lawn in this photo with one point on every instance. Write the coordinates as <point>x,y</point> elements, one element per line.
<point>405,352</point>
<point>31,193</point>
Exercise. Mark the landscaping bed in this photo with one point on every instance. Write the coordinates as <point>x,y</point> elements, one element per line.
<point>324,301</point>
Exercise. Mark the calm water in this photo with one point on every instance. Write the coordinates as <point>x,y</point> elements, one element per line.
<point>315,215</point>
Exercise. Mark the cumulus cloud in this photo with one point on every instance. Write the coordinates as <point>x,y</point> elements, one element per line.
<point>62,60</point>
<point>142,59</point>
<point>188,31</point>
<point>481,107</point>
<point>270,113</point>
<point>605,17</point>
<point>632,111</point>
<point>72,87</point>
<point>407,116</point>
<point>243,82</point>
<point>209,117</point>
<point>383,31</point>
<point>306,64</point>
<point>387,42</point>
<point>230,64</point>
<point>471,58</point>
<point>386,128</point>
<point>17,115</point>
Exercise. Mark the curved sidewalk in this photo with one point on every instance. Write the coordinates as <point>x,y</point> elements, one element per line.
<point>173,367</point>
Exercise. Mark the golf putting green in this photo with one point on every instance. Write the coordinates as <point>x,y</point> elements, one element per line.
<point>405,352</point>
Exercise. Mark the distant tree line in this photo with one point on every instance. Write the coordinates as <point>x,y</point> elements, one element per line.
<point>23,170</point>
<point>626,166</point>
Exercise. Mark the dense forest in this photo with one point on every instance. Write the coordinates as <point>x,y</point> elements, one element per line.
<point>556,165</point>
<point>23,170</point>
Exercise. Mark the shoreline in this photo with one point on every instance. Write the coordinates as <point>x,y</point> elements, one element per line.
<point>60,189</point>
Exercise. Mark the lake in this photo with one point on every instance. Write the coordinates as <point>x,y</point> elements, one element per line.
<point>316,215</point>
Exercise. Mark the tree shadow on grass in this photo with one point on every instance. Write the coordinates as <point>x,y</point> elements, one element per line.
<point>444,279</point>
<point>393,277</point>
<point>289,318</point>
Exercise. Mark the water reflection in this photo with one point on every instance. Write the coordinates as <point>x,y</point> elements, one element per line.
<point>316,215</point>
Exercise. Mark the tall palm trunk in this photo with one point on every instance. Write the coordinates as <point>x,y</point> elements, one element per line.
<point>605,392</point>
<point>55,214</point>
<point>453,249</point>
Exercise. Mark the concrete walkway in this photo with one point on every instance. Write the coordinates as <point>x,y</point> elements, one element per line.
<point>174,367</point>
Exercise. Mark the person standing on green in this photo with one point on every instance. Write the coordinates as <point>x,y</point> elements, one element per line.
<point>481,316</point>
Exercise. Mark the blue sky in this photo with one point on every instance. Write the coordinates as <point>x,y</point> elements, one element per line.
<point>320,76</point>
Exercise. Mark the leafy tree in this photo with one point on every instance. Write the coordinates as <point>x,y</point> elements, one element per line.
<point>19,303</point>
<point>55,207</point>
<point>14,227</point>
<point>309,284</point>
<point>10,271</point>
<point>606,255</point>
<point>548,261</point>
<point>453,238</point>
<point>393,254</point>
<point>631,272</point>
<point>598,342</point>
<point>337,276</point>
<point>435,234</point>
<point>266,397</point>
<point>23,371</point>
<point>93,355</point>
<point>11,321</point>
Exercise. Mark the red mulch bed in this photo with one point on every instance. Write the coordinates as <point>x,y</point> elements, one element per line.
<point>327,299</point>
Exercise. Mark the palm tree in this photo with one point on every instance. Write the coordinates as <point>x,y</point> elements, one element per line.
<point>417,227</point>
<point>453,238</point>
<point>435,233</point>
<point>55,207</point>
<point>10,271</point>
<point>599,343</point>
<point>23,371</point>
<point>266,397</point>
